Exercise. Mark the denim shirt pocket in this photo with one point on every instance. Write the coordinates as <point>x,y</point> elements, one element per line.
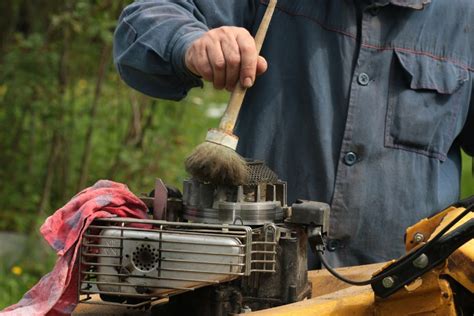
<point>424,99</point>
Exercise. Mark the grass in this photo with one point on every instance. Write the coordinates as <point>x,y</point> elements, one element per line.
<point>18,277</point>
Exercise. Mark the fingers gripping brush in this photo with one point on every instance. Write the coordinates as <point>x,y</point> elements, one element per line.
<point>216,160</point>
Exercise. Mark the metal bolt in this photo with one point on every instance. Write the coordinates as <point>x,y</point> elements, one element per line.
<point>421,262</point>
<point>270,229</point>
<point>418,237</point>
<point>388,282</point>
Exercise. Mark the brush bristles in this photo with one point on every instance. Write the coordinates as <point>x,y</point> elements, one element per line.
<point>217,164</point>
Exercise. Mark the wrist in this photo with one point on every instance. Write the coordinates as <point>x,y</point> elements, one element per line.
<point>178,59</point>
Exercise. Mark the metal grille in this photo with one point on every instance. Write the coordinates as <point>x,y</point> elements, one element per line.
<point>149,260</point>
<point>264,249</point>
<point>260,173</point>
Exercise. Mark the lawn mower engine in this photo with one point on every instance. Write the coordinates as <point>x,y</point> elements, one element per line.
<point>214,250</point>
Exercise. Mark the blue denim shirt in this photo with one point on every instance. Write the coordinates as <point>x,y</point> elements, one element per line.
<point>364,109</point>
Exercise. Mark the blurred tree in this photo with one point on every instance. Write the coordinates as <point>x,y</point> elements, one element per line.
<point>67,120</point>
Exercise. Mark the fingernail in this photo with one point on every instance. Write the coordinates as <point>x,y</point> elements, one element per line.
<point>248,82</point>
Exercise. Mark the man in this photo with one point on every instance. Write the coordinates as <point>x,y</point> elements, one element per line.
<point>365,104</point>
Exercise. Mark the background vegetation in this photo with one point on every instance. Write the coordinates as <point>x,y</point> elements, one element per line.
<point>67,120</point>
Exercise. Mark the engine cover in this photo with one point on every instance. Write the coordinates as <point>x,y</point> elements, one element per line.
<point>260,201</point>
<point>158,263</point>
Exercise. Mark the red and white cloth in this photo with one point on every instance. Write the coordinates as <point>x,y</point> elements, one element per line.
<point>56,293</point>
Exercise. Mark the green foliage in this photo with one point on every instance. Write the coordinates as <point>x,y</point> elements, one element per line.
<point>50,110</point>
<point>50,61</point>
<point>18,277</point>
<point>467,183</point>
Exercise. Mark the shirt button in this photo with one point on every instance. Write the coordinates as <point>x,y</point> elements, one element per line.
<point>363,79</point>
<point>350,158</point>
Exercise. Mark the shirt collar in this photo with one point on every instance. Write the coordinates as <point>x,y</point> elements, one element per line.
<point>413,4</point>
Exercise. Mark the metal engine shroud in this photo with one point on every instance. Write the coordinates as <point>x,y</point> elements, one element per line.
<point>262,200</point>
<point>227,250</point>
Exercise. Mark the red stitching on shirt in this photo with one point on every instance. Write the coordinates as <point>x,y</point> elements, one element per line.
<point>310,18</point>
<point>417,52</point>
<point>436,57</point>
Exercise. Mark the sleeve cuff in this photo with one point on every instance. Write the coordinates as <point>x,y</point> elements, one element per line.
<point>177,58</point>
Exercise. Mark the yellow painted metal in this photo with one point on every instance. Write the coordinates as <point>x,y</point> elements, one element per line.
<point>427,296</point>
<point>351,302</point>
<point>460,265</point>
<point>332,296</point>
<point>425,227</point>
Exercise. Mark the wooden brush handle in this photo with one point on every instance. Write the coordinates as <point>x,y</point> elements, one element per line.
<point>237,97</point>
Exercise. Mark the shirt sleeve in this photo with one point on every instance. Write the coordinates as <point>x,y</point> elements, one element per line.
<point>467,136</point>
<point>152,37</point>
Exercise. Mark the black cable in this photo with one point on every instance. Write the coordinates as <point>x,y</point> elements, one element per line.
<point>337,275</point>
<point>424,248</point>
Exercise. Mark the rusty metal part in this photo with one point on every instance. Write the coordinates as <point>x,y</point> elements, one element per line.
<point>160,200</point>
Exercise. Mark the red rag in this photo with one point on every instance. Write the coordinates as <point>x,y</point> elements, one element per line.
<point>57,292</point>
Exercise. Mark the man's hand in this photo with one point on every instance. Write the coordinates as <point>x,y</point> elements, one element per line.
<point>224,56</point>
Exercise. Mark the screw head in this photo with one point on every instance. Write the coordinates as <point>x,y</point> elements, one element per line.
<point>421,262</point>
<point>388,282</point>
<point>418,237</point>
<point>270,228</point>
